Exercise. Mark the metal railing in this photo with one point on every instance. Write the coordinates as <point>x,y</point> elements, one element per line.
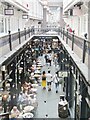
<point>10,41</point>
<point>79,45</point>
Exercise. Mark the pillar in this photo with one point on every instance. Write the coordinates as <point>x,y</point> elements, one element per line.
<point>76,100</point>
<point>22,65</point>
<point>61,17</point>
<point>89,20</point>
<point>83,101</point>
<point>3,78</point>
<point>12,76</point>
<point>17,71</point>
<point>68,80</point>
<point>89,34</point>
<point>71,89</point>
<point>67,84</point>
<point>44,17</point>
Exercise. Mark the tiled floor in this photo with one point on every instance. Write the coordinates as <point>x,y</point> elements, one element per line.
<point>48,100</point>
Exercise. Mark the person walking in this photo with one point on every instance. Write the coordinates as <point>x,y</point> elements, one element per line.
<point>44,80</point>
<point>55,59</point>
<point>49,80</point>
<point>56,81</point>
<point>50,59</point>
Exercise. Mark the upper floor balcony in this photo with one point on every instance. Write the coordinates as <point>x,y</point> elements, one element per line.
<point>31,8</point>
<point>17,4</point>
<point>70,4</point>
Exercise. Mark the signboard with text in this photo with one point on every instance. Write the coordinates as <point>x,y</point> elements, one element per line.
<point>62,74</point>
<point>9,11</point>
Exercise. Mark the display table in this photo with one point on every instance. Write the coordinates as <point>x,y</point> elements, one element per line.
<point>28,109</point>
<point>39,68</point>
<point>34,85</point>
<point>33,90</point>
<point>39,65</point>
<point>37,71</point>
<point>37,75</point>
<point>28,115</point>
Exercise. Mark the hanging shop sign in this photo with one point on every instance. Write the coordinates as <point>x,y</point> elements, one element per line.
<point>62,74</point>
<point>24,16</point>
<point>9,11</point>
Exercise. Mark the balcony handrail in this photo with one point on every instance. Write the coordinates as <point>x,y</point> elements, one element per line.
<point>56,29</point>
<point>82,43</point>
<point>78,37</point>
<point>5,35</point>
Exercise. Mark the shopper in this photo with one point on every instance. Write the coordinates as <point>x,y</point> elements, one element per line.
<point>44,80</point>
<point>56,81</point>
<point>50,59</point>
<point>46,58</point>
<point>15,112</point>
<point>13,101</point>
<point>55,59</point>
<point>49,80</point>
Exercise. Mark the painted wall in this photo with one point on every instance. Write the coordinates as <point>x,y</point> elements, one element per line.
<point>79,20</point>
<point>36,9</point>
<point>15,21</point>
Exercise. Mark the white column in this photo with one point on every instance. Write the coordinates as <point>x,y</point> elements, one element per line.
<point>61,17</point>
<point>60,14</point>
<point>44,17</point>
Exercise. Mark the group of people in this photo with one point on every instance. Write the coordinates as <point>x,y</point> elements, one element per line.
<point>27,97</point>
<point>47,79</point>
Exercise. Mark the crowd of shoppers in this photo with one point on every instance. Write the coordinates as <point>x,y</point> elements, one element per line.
<point>51,58</point>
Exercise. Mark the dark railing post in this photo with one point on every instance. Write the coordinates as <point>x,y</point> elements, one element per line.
<point>10,44</point>
<point>67,37</point>
<point>25,32</point>
<point>84,94</point>
<point>59,31</point>
<point>33,30</point>
<point>75,100</point>
<point>19,36</point>
<point>63,33</point>
<point>3,76</point>
<point>29,31</point>
<point>3,79</point>
<point>5,106</point>
<point>84,50</point>
<point>72,41</point>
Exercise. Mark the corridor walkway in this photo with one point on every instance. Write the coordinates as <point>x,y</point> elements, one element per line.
<point>48,100</point>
